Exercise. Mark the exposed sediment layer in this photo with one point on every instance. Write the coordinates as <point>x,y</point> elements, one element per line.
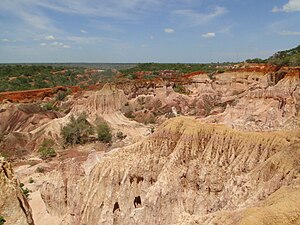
<point>13,204</point>
<point>185,169</point>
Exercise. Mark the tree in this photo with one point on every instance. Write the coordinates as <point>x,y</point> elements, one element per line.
<point>103,132</point>
<point>255,60</point>
<point>77,131</point>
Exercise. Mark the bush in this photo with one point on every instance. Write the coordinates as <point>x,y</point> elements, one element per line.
<point>2,220</point>
<point>31,180</point>
<point>152,130</point>
<point>40,170</point>
<point>131,76</point>
<point>103,132</point>
<point>129,115</point>
<point>120,135</point>
<point>25,191</point>
<point>46,150</point>
<point>49,106</point>
<point>255,60</point>
<point>180,89</point>
<point>61,95</point>
<point>77,131</point>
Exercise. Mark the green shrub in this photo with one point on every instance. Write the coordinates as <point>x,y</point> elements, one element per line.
<point>211,76</point>
<point>2,220</point>
<point>61,95</point>
<point>152,130</point>
<point>31,180</point>
<point>25,191</point>
<point>40,170</point>
<point>104,132</point>
<point>46,150</point>
<point>49,106</point>
<point>129,115</point>
<point>77,131</point>
<point>120,135</point>
<point>131,76</point>
<point>180,89</point>
<point>256,60</point>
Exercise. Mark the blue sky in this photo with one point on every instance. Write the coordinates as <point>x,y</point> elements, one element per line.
<point>146,30</point>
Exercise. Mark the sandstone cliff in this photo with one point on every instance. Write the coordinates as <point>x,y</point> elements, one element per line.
<point>186,172</point>
<point>107,104</point>
<point>270,103</point>
<point>13,204</point>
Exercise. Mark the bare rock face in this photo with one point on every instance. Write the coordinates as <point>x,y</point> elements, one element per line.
<point>187,172</point>
<point>24,118</point>
<point>63,182</point>
<point>280,208</point>
<point>106,101</point>
<point>269,102</point>
<point>20,123</point>
<point>244,100</point>
<point>13,204</point>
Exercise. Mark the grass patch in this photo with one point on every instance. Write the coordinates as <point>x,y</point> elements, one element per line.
<point>46,150</point>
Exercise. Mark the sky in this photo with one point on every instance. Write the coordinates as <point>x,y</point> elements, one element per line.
<point>123,31</point>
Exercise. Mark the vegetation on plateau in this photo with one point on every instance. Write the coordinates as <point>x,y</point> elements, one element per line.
<point>289,57</point>
<point>179,67</point>
<point>16,77</point>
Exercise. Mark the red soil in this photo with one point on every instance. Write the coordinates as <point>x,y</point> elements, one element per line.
<point>29,95</point>
<point>40,94</point>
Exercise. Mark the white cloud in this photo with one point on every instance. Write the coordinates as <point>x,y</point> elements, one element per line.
<point>209,35</point>
<point>83,31</point>
<point>291,6</point>
<point>50,38</point>
<point>144,45</point>
<point>290,33</point>
<point>5,40</point>
<point>87,40</point>
<point>169,30</point>
<point>56,44</point>
<point>194,18</point>
<point>124,9</point>
<point>275,9</point>
<point>28,15</point>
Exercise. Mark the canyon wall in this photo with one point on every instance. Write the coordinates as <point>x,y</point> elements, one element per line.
<point>185,169</point>
<point>14,206</point>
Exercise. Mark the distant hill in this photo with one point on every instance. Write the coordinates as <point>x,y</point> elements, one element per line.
<point>289,57</point>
